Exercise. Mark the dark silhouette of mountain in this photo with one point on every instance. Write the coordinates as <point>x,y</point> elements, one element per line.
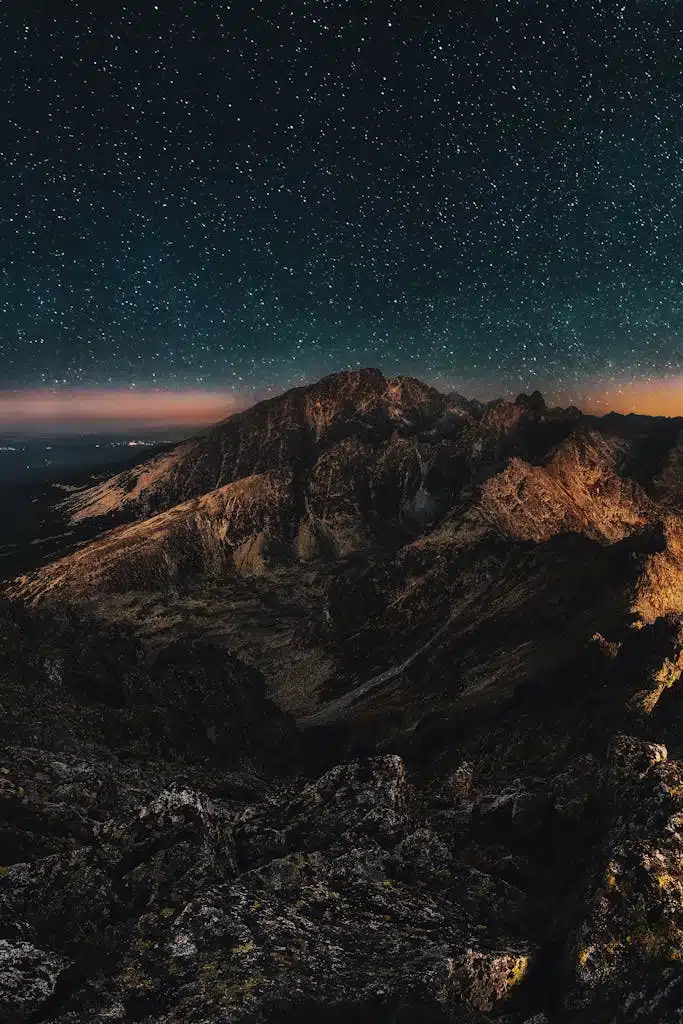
<point>365,702</point>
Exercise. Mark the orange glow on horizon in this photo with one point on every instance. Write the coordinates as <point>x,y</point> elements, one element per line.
<point>132,408</point>
<point>119,407</point>
<point>662,397</point>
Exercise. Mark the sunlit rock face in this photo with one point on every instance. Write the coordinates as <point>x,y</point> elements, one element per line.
<point>357,463</point>
<point>365,704</point>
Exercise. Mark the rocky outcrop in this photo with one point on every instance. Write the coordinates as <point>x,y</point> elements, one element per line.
<point>633,911</point>
<point>317,899</point>
<point>28,977</point>
<point>360,891</point>
<point>578,490</point>
<point>660,587</point>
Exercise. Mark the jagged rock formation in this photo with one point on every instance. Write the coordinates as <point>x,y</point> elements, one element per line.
<point>364,704</point>
<point>578,490</point>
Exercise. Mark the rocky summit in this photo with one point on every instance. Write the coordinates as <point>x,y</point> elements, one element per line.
<point>365,704</point>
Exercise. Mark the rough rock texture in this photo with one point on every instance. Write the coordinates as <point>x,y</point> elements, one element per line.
<point>578,490</point>
<point>528,864</point>
<point>633,912</point>
<point>28,977</point>
<point>318,898</point>
<point>366,704</point>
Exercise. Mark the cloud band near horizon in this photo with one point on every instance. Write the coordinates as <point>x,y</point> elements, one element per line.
<point>124,409</point>
<point>118,408</point>
<point>662,397</point>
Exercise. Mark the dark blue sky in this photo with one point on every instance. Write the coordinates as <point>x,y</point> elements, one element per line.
<point>248,195</point>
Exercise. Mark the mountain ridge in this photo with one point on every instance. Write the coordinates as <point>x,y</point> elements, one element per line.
<point>358,467</point>
<point>364,703</point>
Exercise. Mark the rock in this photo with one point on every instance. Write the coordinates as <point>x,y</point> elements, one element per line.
<point>658,999</point>
<point>660,588</point>
<point>423,859</point>
<point>572,790</point>
<point>309,943</point>
<point>70,894</point>
<point>609,648</point>
<point>368,862</point>
<point>579,489</point>
<point>489,898</point>
<point>514,807</point>
<point>455,789</point>
<point>629,759</point>
<point>180,840</point>
<point>207,923</point>
<point>633,921</point>
<point>28,977</point>
<point>362,798</point>
<point>480,979</point>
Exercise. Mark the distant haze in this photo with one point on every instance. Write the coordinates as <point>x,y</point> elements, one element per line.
<point>663,397</point>
<point>117,410</point>
<point>126,410</point>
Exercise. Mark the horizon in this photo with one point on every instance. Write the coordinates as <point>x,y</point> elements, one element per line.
<point>81,411</point>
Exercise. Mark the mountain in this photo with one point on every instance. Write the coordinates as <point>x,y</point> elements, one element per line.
<point>363,702</point>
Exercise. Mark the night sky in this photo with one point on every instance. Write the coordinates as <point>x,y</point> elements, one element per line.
<point>247,196</point>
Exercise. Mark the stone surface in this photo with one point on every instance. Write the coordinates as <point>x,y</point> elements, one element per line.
<point>28,977</point>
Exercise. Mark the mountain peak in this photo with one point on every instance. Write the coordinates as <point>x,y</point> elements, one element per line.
<point>363,374</point>
<point>534,402</point>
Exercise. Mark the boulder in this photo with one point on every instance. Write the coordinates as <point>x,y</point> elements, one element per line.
<point>28,977</point>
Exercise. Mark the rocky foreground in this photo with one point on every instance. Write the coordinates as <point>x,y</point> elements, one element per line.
<point>365,706</point>
<point>170,856</point>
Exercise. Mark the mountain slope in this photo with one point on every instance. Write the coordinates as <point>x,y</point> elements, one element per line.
<point>405,525</point>
<point>268,437</point>
<point>366,703</point>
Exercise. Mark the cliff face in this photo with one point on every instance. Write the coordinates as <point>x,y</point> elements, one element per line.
<point>578,490</point>
<point>365,703</point>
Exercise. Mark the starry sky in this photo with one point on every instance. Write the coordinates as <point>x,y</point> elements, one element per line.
<point>239,197</point>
